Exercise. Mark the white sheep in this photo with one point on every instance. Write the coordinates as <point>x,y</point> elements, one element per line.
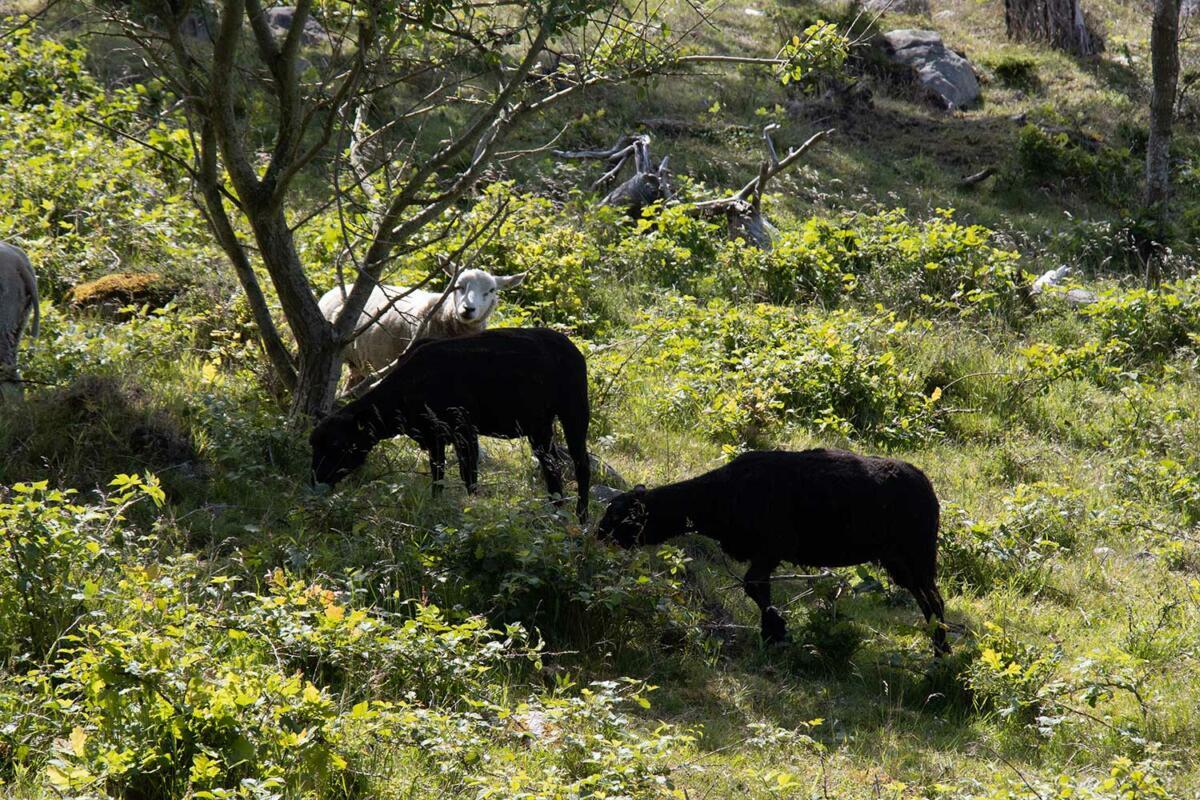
<point>1053,278</point>
<point>18,296</point>
<point>398,316</point>
<point>1050,277</point>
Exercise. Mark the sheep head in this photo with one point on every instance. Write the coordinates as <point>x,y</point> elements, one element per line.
<point>340,444</point>
<point>475,294</point>
<point>625,520</point>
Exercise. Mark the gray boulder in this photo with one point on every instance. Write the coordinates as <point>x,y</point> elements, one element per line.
<point>898,6</point>
<point>946,76</point>
<point>280,19</point>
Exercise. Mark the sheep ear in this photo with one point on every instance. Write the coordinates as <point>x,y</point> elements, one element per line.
<point>640,489</point>
<point>446,266</point>
<point>506,281</point>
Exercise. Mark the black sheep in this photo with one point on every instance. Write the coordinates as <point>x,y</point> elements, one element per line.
<point>825,508</point>
<point>507,383</point>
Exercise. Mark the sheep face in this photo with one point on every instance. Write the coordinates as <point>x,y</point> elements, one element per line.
<point>476,293</point>
<point>625,519</point>
<point>339,446</point>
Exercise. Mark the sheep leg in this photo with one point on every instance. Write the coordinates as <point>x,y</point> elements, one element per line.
<point>583,475</point>
<point>937,608</point>
<point>543,449</point>
<point>466,447</point>
<point>575,426</point>
<point>928,598</point>
<point>758,588</point>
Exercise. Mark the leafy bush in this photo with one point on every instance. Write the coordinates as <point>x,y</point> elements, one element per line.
<point>1037,522</point>
<point>1044,155</point>
<point>317,631</point>
<point>1165,482</point>
<point>162,679</point>
<point>80,198</point>
<point>1134,335</point>
<point>1012,677</point>
<point>828,638</point>
<point>38,71</point>
<point>560,260</point>
<point>741,374</point>
<point>524,566</point>
<point>668,247</point>
<point>160,706</point>
<point>937,267</point>
<point>1016,71</point>
<point>812,264</point>
<point>1125,779</point>
<point>55,557</point>
<point>931,267</point>
<point>1150,324</point>
<point>934,267</point>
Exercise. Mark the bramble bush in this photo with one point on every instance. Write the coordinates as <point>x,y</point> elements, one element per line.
<point>1015,679</point>
<point>933,267</point>
<point>165,679</point>
<point>937,267</point>
<point>1151,325</point>
<point>1044,155</point>
<point>1036,523</point>
<point>743,374</point>
<point>79,199</point>
<point>523,565</point>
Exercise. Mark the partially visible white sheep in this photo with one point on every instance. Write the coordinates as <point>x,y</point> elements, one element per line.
<point>18,296</point>
<point>465,311</point>
<point>1050,278</point>
<point>1054,277</point>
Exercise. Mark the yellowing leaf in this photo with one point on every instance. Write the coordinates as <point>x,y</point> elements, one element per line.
<point>57,777</point>
<point>78,738</point>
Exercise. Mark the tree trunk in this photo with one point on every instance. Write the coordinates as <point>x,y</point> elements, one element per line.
<point>1164,55</point>
<point>1058,23</point>
<point>277,353</point>
<point>1164,44</point>
<point>317,379</point>
<point>319,349</point>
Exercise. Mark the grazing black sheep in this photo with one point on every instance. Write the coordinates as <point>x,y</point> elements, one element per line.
<point>506,383</point>
<point>825,508</point>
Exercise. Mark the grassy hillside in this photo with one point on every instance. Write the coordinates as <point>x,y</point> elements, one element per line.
<point>182,615</point>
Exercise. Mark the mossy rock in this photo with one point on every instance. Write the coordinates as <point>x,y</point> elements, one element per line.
<point>109,294</point>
